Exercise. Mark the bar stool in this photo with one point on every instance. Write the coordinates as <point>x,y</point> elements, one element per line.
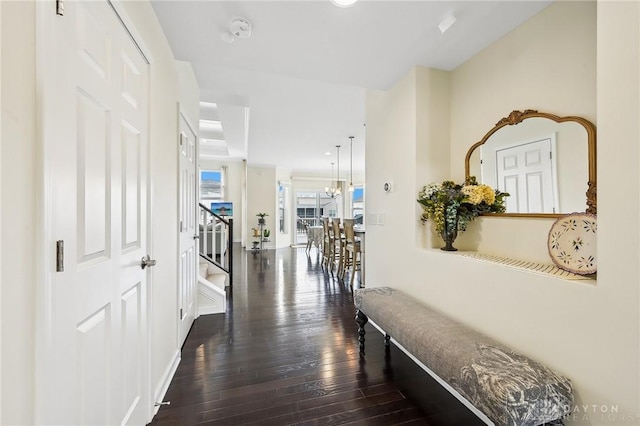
<point>353,254</point>
<point>305,229</point>
<point>327,242</point>
<point>337,246</point>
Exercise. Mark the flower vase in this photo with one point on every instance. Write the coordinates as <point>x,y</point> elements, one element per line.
<point>449,234</point>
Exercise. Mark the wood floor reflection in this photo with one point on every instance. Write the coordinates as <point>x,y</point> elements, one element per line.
<point>286,353</point>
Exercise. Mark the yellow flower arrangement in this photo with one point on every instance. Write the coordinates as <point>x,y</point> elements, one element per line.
<point>477,194</point>
<point>452,206</point>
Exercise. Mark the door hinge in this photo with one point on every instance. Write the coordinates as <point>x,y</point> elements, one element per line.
<point>60,7</point>
<point>181,136</point>
<point>60,256</point>
<point>181,317</point>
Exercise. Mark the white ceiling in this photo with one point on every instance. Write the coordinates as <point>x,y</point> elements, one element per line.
<point>296,88</point>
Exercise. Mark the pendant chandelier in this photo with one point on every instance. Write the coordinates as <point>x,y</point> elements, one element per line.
<point>334,190</point>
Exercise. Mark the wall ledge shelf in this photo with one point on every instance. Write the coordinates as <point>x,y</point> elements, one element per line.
<point>546,269</point>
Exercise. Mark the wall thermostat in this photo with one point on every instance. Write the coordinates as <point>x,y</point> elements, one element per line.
<point>387,187</point>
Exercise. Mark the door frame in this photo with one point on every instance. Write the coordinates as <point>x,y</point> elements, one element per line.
<point>44,254</point>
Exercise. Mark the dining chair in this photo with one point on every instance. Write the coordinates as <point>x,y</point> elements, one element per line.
<point>353,254</point>
<point>338,247</point>
<point>327,243</point>
<point>305,229</point>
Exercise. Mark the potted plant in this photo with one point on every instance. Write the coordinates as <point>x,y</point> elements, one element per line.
<point>266,233</point>
<point>261,217</point>
<point>452,206</point>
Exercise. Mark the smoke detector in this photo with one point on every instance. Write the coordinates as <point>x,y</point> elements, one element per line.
<point>238,28</point>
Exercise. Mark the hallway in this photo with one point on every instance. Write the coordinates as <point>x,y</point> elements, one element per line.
<point>286,352</point>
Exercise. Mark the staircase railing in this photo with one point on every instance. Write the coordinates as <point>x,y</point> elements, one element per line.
<point>216,240</point>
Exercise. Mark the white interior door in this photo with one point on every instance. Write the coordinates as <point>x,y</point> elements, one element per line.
<point>94,341</point>
<point>188,261</point>
<point>525,171</point>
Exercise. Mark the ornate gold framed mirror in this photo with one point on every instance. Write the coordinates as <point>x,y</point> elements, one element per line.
<point>545,162</point>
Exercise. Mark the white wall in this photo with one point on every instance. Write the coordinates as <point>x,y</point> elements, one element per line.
<point>407,130</point>
<point>1,146</point>
<point>18,212</point>
<point>189,96</point>
<point>550,54</point>
<point>615,317</point>
<point>590,333</point>
<point>261,198</point>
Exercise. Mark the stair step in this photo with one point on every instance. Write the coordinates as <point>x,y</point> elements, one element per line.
<point>219,280</point>
<point>213,274</point>
<point>207,268</point>
<point>203,267</point>
<point>211,298</point>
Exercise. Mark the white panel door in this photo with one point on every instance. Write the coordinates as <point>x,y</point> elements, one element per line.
<point>93,365</point>
<point>525,171</point>
<point>188,261</point>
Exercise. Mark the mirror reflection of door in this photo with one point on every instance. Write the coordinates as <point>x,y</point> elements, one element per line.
<point>573,142</point>
<point>527,171</point>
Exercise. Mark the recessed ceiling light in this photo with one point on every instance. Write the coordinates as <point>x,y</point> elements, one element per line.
<point>327,153</point>
<point>446,23</point>
<point>210,125</point>
<point>343,3</point>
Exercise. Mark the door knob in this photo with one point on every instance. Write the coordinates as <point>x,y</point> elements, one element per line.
<point>147,261</point>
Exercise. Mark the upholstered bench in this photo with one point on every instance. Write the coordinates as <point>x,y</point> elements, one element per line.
<point>506,387</point>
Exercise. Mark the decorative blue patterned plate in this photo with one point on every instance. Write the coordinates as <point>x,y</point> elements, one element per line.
<point>572,243</point>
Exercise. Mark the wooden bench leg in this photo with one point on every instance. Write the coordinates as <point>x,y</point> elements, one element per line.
<point>361,320</point>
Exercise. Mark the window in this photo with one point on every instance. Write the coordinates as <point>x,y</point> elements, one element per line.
<point>211,185</point>
<point>357,205</point>
<point>283,202</point>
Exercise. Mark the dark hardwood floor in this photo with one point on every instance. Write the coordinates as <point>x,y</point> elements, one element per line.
<point>286,352</point>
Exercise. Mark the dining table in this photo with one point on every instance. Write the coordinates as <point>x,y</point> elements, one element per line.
<point>315,235</point>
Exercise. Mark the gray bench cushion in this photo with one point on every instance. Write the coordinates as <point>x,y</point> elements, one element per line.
<point>507,387</point>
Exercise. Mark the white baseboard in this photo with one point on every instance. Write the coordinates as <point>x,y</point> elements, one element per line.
<point>163,385</point>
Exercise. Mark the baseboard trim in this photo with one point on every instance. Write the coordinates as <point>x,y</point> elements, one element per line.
<point>163,386</point>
